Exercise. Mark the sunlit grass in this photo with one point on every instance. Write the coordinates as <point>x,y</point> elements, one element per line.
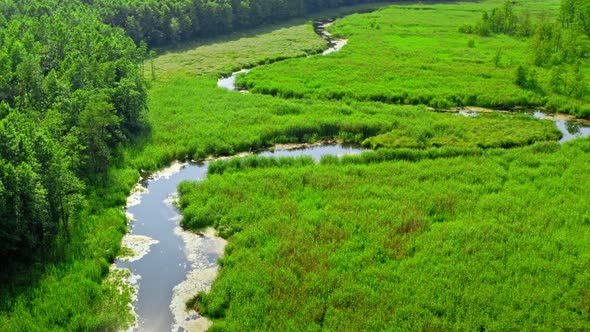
<point>414,54</point>
<point>499,240</point>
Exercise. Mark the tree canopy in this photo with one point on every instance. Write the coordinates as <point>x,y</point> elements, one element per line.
<point>71,91</point>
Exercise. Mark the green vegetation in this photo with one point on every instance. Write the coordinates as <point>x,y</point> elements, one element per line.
<point>487,131</point>
<point>419,55</point>
<point>458,237</point>
<point>71,92</point>
<point>191,118</point>
<point>65,174</point>
<point>160,22</point>
<point>496,241</point>
<point>575,14</point>
<point>240,50</point>
<point>76,125</point>
<point>195,119</point>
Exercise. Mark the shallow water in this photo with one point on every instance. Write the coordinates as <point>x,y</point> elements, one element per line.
<point>171,255</point>
<point>569,129</point>
<point>229,82</point>
<point>316,152</point>
<point>165,265</point>
<point>567,125</point>
<point>334,45</point>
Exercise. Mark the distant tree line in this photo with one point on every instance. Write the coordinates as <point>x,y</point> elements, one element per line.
<point>560,45</point>
<point>161,22</point>
<point>71,91</point>
<point>503,19</point>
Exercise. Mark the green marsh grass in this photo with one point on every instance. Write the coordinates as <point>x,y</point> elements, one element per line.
<point>414,54</point>
<point>493,241</point>
<point>191,119</point>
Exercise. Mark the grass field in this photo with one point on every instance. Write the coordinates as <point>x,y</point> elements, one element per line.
<point>495,241</point>
<point>415,54</point>
<point>461,236</point>
<point>192,118</point>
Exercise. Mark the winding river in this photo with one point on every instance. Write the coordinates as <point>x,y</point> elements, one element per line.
<point>170,265</point>
<point>569,126</point>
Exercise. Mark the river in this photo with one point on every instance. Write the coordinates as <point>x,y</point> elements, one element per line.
<point>320,27</point>
<point>171,265</point>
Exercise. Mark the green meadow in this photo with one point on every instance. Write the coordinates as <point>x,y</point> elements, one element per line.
<point>442,227</point>
<point>191,118</point>
<point>415,54</point>
<point>495,240</point>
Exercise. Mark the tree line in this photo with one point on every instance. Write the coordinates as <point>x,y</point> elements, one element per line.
<point>560,45</point>
<point>71,91</point>
<point>163,22</point>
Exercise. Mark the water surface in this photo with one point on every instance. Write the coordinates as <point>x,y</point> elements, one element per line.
<point>319,27</point>
<point>229,82</point>
<point>567,125</point>
<point>569,129</point>
<point>166,264</point>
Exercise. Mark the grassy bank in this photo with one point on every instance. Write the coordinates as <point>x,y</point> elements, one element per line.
<point>192,118</point>
<point>415,54</point>
<point>498,241</point>
<point>75,292</point>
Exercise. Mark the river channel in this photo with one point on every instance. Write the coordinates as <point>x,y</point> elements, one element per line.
<point>320,27</point>
<point>569,126</point>
<point>170,265</point>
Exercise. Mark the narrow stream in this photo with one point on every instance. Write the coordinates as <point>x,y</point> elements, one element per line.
<point>319,27</point>
<point>229,82</point>
<point>171,265</point>
<point>567,125</point>
<point>334,45</point>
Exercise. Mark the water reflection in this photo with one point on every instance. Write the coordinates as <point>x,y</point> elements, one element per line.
<point>569,129</point>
